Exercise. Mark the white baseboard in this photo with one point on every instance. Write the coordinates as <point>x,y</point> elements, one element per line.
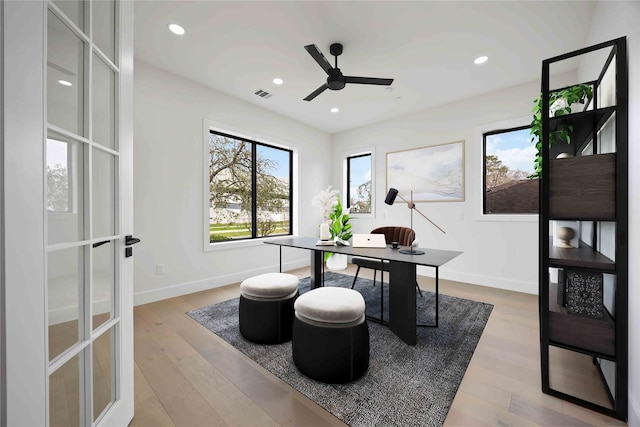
<point>633,417</point>
<point>154,295</point>
<point>476,279</point>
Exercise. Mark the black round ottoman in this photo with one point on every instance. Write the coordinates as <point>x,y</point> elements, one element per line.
<point>266,307</point>
<point>331,335</point>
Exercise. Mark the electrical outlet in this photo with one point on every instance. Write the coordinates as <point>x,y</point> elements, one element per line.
<point>159,268</point>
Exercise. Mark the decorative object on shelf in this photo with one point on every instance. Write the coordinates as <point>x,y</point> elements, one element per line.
<point>563,156</point>
<point>560,102</point>
<point>584,294</point>
<point>391,197</point>
<point>435,173</point>
<point>564,236</point>
<point>339,228</point>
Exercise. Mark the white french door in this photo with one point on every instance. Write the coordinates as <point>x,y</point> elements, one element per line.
<point>67,115</point>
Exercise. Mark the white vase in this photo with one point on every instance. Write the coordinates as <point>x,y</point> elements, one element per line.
<point>337,262</point>
<point>324,231</point>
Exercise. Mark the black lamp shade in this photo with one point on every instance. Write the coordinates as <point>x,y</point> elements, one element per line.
<point>391,196</point>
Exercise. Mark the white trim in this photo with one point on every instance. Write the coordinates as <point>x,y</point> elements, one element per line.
<point>633,417</point>
<point>477,195</point>
<point>153,295</point>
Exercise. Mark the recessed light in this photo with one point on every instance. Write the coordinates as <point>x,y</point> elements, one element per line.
<point>176,29</point>
<point>480,60</point>
<point>335,110</point>
<point>278,81</point>
<point>65,83</point>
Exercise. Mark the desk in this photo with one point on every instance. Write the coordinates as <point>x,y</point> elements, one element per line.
<point>402,276</point>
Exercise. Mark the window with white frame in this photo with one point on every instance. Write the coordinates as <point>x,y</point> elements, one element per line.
<point>250,189</point>
<point>509,156</point>
<point>359,188</point>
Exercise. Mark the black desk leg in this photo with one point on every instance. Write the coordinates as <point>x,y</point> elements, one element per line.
<point>437,297</point>
<point>402,301</point>
<point>316,269</point>
<point>435,324</point>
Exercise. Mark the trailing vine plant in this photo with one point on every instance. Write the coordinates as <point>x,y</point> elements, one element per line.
<point>560,102</point>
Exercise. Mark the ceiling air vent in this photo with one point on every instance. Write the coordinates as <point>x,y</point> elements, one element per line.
<point>263,94</point>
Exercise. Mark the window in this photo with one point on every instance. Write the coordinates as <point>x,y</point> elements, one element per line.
<point>250,189</point>
<point>359,183</point>
<point>508,162</point>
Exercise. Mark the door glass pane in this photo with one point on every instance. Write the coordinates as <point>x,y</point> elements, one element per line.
<point>64,395</point>
<point>103,113</point>
<point>103,184</point>
<point>65,82</point>
<point>73,9</point>
<point>103,282</point>
<point>65,189</point>
<point>104,36</point>
<point>272,191</point>
<point>65,277</point>
<point>102,372</point>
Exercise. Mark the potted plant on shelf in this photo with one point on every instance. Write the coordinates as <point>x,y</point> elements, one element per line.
<point>339,228</point>
<point>560,102</point>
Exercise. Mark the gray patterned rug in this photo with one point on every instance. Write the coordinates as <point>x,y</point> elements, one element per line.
<point>404,386</point>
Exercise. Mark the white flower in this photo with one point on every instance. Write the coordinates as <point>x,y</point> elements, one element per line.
<point>325,200</point>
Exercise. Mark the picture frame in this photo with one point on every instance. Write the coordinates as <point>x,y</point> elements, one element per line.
<point>434,173</point>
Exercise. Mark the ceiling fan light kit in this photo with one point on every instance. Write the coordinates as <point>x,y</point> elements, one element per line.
<point>335,79</point>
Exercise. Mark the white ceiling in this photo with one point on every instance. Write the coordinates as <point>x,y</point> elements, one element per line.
<point>428,47</point>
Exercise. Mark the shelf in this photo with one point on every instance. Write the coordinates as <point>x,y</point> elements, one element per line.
<point>583,188</point>
<point>596,336</point>
<point>582,257</point>
<point>584,123</point>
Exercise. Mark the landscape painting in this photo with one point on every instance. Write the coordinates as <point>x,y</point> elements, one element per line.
<point>434,173</point>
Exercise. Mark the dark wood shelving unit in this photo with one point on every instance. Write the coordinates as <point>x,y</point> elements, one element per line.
<point>586,311</point>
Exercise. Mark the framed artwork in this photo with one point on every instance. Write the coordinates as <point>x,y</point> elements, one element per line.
<point>434,173</point>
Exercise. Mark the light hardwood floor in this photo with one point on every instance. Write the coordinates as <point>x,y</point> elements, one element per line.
<point>187,376</point>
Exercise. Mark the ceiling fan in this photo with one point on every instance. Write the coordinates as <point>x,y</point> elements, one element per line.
<point>336,79</point>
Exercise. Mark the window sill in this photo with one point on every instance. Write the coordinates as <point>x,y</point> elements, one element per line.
<point>224,246</point>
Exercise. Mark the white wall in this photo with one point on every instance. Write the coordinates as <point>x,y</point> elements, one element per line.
<point>613,20</point>
<point>497,253</point>
<point>169,184</point>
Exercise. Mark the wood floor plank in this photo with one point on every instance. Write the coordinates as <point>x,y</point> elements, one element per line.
<point>186,375</point>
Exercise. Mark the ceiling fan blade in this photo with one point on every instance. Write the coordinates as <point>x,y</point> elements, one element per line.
<point>319,57</point>
<point>368,80</point>
<point>316,92</point>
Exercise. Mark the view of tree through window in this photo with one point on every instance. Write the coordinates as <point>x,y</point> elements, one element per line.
<point>249,189</point>
<point>58,177</point>
<point>509,157</point>
<point>359,183</point>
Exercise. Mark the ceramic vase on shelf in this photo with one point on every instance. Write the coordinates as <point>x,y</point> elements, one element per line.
<point>337,262</point>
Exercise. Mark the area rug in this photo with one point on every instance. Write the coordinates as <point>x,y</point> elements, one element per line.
<point>405,385</point>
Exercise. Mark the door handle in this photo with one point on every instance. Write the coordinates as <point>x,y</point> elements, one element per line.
<point>128,241</point>
<point>95,245</point>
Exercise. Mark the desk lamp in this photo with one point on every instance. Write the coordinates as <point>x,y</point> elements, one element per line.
<point>391,197</point>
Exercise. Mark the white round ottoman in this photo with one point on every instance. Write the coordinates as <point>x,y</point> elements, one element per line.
<point>266,307</point>
<point>331,335</point>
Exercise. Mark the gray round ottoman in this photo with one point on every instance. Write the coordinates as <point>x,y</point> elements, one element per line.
<point>331,335</point>
<point>266,307</point>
